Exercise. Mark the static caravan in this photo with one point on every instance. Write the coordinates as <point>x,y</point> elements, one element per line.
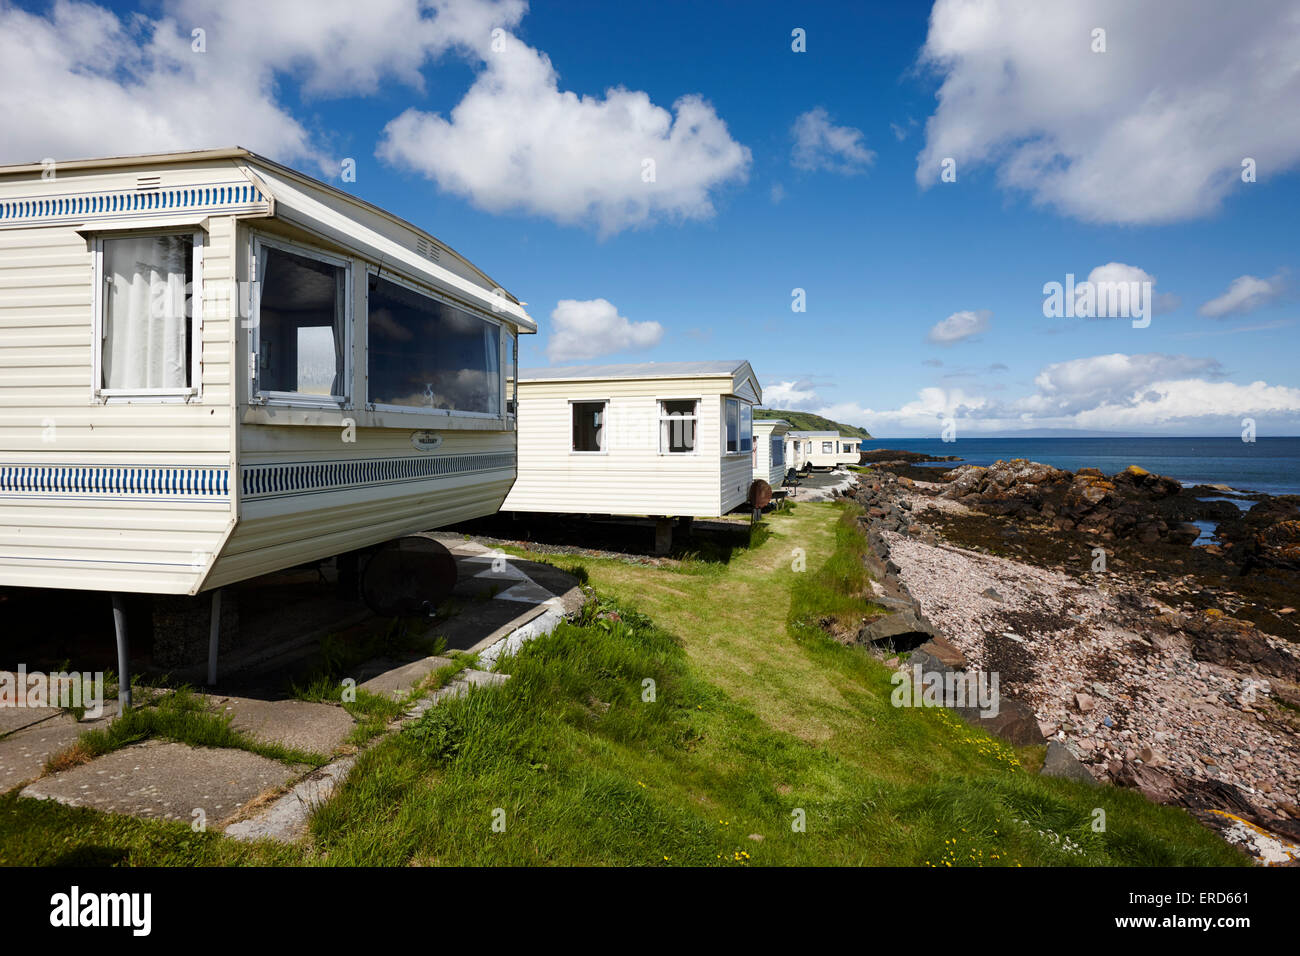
<point>850,452</point>
<point>769,450</point>
<point>213,367</point>
<point>656,439</point>
<point>817,449</point>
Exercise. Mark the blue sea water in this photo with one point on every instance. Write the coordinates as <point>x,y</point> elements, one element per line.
<point>1270,465</point>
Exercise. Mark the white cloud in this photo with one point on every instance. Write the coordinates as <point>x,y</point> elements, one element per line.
<point>1152,130</point>
<point>1174,394</point>
<point>517,141</point>
<point>82,82</point>
<point>1245,294</point>
<point>958,327</point>
<point>1116,274</point>
<point>821,145</point>
<point>792,395</point>
<point>587,329</point>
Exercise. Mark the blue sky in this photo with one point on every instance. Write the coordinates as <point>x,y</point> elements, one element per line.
<point>781,170</point>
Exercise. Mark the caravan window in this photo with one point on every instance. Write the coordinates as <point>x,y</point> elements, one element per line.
<point>589,426</point>
<point>424,353</point>
<point>677,425</point>
<point>299,326</point>
<point>512,364</point>
<point>147,314</point>
<point>732,408</point>
<point>746,426</point>
<point>778,450</point>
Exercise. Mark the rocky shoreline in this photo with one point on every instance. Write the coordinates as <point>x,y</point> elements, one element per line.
<point>1133,655</point>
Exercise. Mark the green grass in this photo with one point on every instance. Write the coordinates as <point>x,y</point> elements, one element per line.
<point>757,723</point>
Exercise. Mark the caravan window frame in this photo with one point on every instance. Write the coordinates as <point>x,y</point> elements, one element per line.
<point>660,418</point>
<point>254,344</point>
<point>604,426</point>
<point>192,392</point>
<point>504,333</point>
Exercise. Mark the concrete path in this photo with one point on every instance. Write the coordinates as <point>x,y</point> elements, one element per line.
<point>31,735</point>
<point>501,602</point>
<point>159,779</point>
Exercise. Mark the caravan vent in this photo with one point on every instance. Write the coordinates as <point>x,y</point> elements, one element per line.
<point>146,183</point>
<point>426,248</point>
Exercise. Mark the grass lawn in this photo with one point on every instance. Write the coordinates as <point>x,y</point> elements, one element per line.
<point>696,715</point>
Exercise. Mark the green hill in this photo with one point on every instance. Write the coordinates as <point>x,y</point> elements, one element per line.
<point>808,422</point>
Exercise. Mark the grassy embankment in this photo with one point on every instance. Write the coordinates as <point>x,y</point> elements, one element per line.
<point>759,726</point>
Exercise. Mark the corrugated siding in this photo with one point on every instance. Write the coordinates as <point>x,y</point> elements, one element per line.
<point>308,494</point>
<point>94,496</point>
<point>632,477</point>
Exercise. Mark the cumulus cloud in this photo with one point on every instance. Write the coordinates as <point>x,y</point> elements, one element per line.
<point>518,142</point>
<point>588,329</point>
<point>1153,130</point>
<point>1116,275</point>
<point>958,327</point>
<point>821,145</point>
<point>791,395</point>
<point>1245,294</point>
<point>1174,394</point>
<point>80,81</point>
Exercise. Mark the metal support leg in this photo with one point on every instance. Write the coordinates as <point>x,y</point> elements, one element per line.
<point>214,637</point>
<point>123,653</point>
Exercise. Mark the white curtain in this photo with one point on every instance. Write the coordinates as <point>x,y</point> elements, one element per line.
<point>146,328</point>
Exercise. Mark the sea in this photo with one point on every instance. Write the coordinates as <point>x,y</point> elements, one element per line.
<point>1268,465</point>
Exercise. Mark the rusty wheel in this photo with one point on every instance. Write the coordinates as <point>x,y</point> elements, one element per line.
<point>408,577</point>
<point>760,494</point>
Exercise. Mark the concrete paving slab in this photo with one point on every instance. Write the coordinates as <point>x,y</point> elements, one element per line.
<point>16,718</point>
<point>24,752</point>
<point>395,678</point>
<point>319,728</point>
<point>286,819</point>
<point>164,780</point>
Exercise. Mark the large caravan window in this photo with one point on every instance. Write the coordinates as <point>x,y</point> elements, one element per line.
<point>300,332</point>
<point>147,335</point>
<point>828,448</point>
<point>778,450</point>
<point>746,426</point>
<point>512,366</point>
<point>589,426</point>
<point>426,353</point>
<point>732,408</point>
<point>677,424</point>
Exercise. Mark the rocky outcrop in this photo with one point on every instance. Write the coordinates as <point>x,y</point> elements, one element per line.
<point>1132,504</point>
<point>1229,642</point>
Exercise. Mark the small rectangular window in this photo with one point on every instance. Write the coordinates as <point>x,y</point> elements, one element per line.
<point>589,426</point>
<point>426,353</point>
<point>148,341</point>
<point>778,451</point>
<point>300,323</point>
<point>678,421</point>
<point>746,426</point>
<point>828,448</point>
<point>733,424</point>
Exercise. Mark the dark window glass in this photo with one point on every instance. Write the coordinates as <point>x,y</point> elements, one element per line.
<point>300,332</point>
<point>424,353</point>
<point>588,426</point>
<point>677,424</point>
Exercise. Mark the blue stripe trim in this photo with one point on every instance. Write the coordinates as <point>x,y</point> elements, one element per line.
<point>284,479</point>
<point>115,481</point>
